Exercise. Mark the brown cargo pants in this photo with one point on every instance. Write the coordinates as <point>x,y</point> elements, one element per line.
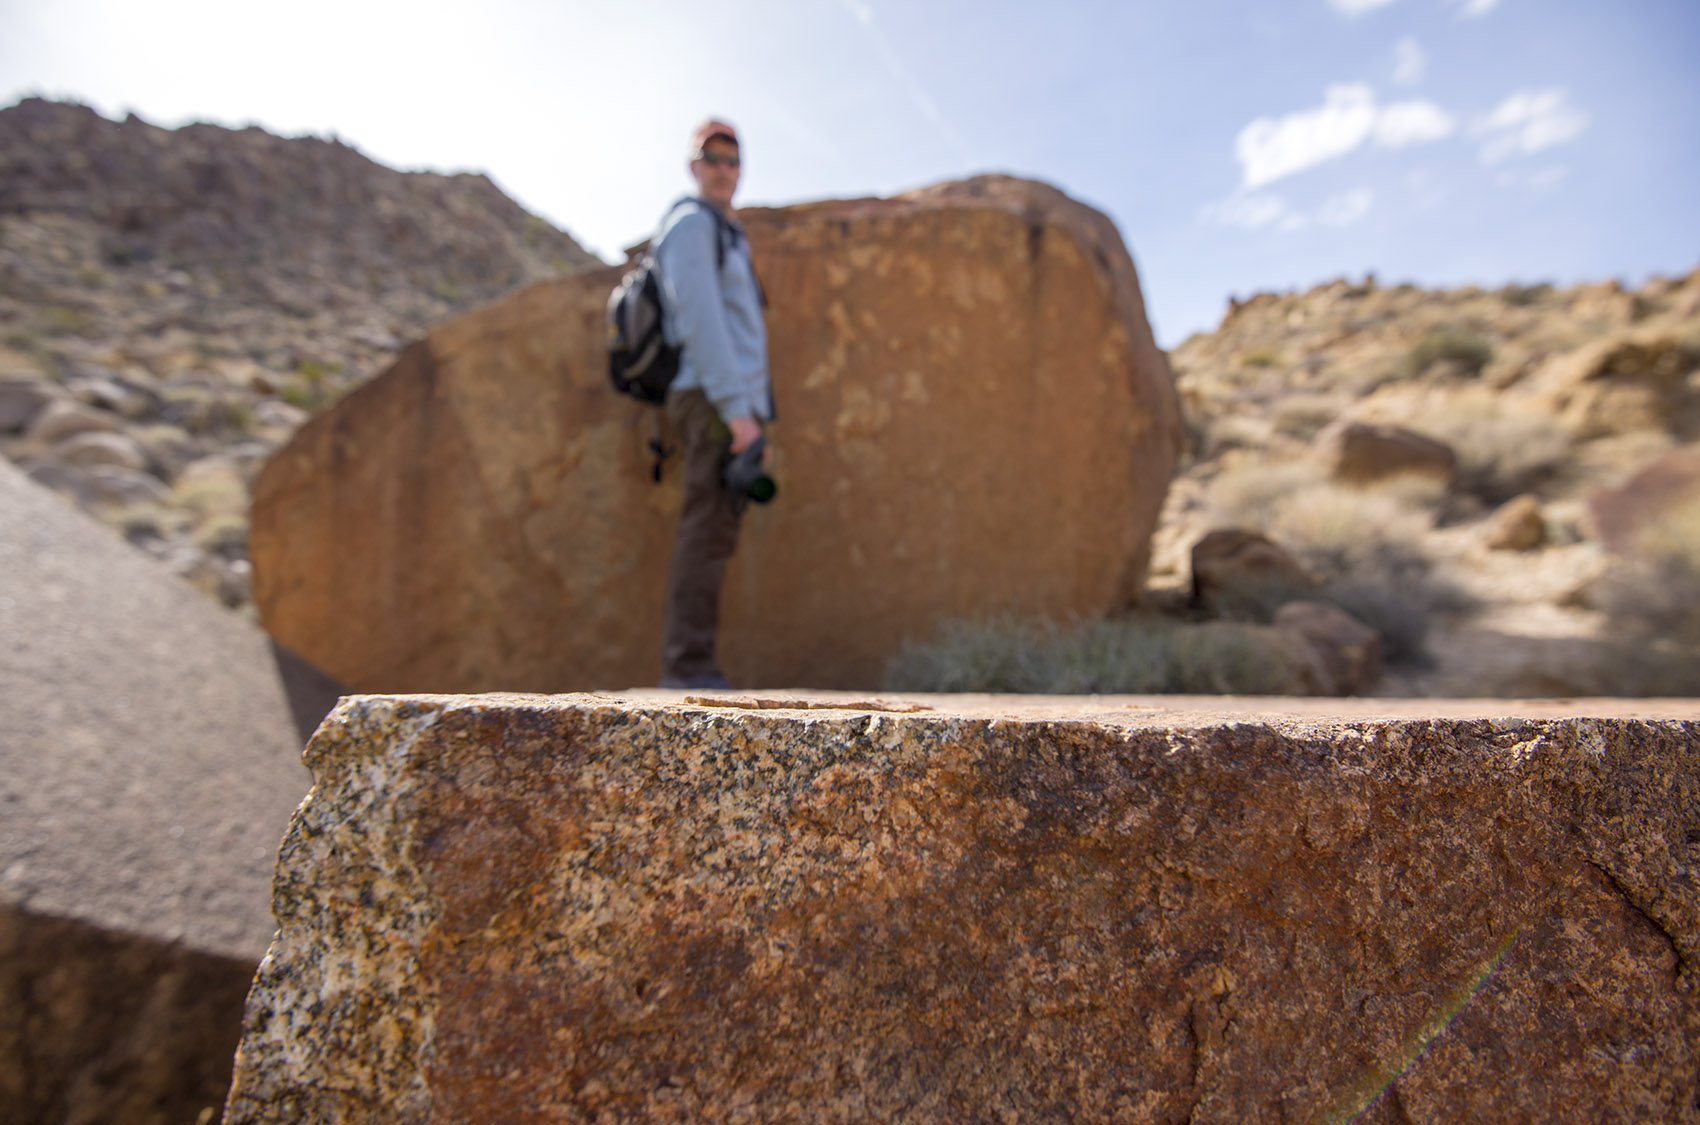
<point>708,534</point>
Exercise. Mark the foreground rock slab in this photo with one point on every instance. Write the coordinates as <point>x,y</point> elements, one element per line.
<point>830,908</point>
<point>973,418</point>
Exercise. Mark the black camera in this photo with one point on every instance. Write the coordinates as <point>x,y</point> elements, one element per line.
<point>746,478</point>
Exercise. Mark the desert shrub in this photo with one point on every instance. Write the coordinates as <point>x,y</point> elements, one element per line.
<point>1502,452</point>
<point>1244,496</point>
<point>1470,350</point>
<point>1401,614</point>
<point>996,654</point>
<point>209,495</point>
<point>1338,531</point>
<point>1218,658</point>
<point>1264,355</point>
<point>1233,431</point>
<point>1522,296</point>
<point>1360,379</point>
<point>1652,606</point>
<point>1304,416</point>
<point>300,395</point>
<point>1145,655</point>
<point>63,320</point>
<point>238,415</point>
<point>1365,544</point>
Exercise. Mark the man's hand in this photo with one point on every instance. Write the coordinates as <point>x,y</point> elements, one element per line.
<point>745,431</point>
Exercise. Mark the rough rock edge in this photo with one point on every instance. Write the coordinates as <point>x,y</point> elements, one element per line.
<point>302,949</point>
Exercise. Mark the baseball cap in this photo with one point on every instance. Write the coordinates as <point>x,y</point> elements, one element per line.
<point>710,129</point>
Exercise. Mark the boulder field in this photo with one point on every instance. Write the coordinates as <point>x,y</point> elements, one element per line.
<point>973,418</point>
<point>825,907</point>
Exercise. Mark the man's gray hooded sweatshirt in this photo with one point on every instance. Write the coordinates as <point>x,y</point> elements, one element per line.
<point>717,320</point>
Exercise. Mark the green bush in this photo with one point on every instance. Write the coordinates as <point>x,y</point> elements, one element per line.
<point>1502,452</point>
<point>1134,656</point>
<point>1469,350</point>
<point>1522,296</point>
<point>1652,605</point>
<point>1264,355</point>
<point>1364,544</point>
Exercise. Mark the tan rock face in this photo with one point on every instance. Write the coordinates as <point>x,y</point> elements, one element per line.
<point>973,418</point>
<point>841,909</point>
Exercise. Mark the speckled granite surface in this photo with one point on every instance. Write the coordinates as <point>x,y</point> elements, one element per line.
<point>825,908</point>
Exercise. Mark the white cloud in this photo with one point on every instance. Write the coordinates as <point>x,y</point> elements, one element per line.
<point>1269,148</point>
<point>1346,208</point>
<point>1253,211</point>
<point>1409,62</point>
<point>1359,7</point>
<point>1409,123</point>
<point>1474,8</point>
<point>1247,211</point>
<point>1526,123</point>
<point>1540,182</point>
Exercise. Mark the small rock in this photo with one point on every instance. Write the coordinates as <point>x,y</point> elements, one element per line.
<point>96,447</point>
<point>1341,653</point>
<point>1647,510</point>
<point>1234,565</point>
<point>1518,525</point>
<point>64,417</point>
<point>114,394</point>
<point>169,447</point>
<point>67,480</point>
<point>1359,452</point>
<point>22,400</point>
<point>120,485</point>
<point>277,419</point>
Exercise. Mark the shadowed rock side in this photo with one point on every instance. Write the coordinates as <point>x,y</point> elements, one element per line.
<point>105,1026</point>
<point>974,419</point>
<point>148,768</point>
<point>613,909</point>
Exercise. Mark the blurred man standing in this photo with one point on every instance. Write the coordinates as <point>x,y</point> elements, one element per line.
<point>719,399</point>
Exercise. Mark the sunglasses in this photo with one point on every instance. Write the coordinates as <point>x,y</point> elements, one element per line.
<point>716,159</point>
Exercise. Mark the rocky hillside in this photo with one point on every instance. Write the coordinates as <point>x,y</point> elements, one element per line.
<point>1505,483</point>
<point>173,303</point>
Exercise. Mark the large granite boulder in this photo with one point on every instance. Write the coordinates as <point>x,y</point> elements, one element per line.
<point>150,757</point>
<point>829,908</point>
<point>974,418</point>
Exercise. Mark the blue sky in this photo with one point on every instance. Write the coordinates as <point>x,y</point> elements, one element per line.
<point>1239,145</point>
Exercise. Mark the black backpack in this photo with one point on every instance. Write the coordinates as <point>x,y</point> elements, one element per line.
<point>641,362</point>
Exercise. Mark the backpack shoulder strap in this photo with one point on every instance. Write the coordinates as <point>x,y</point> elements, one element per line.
<point>723,228</point>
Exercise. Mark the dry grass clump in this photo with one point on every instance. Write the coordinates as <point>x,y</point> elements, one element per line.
<point>1364,544</point>
<point>1263,355</point>
<point>1502,451</point>
<point>1652,605</point>
<point>1523,296</point>
<point>1468,350</point>
<point>1136,656</point>
<point>1303,416</point>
